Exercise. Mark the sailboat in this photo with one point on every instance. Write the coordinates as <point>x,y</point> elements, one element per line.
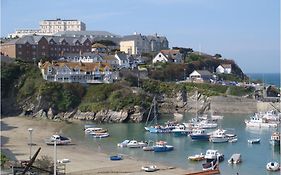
<point>156,128</point>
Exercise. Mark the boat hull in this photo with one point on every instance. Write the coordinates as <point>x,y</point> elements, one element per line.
<point>199,137</point>
<point>218,139</point>
<point>163,148</point>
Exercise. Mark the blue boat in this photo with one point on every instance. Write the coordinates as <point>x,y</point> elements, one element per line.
<point>162,146</point>
<point>200,135</point>
<point>116,157</point>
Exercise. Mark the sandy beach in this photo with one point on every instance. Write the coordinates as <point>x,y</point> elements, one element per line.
<point>15,137</point>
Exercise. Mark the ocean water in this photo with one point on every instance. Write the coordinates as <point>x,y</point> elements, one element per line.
<point>267,78</point>
<point>254,157</point>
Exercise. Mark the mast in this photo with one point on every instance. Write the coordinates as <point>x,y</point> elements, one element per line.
<point>148,114</point>
<point>154,109</point>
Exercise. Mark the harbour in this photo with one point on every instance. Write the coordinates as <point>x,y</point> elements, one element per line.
<point>255,156</point>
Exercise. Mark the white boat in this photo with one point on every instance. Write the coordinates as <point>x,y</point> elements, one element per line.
<point>271,116</point>
<point>275,139</point>
<point>235,159</point>
<point>149,168</point>
<point>148,147</point>
<point>273,166</point>
<point>123,144</point>
<point>206,124</point>
<point>213,154</point>
<point>60,140</point>
<point>213,165</point>
<point>100,135</point>
<point>233,139</point>
<point>219,136</point>
<point>95,130</point>
<point>254,141</point>
<point>136,144</point>
<point>256,121</point>
<point>197,157</point>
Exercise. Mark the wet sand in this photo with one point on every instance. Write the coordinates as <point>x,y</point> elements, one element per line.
<point>15,138</point>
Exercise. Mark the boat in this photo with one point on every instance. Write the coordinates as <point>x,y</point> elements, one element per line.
<point>233,139</point>
<point>162,146</point>
<point>210,165</point>
<point>63,161</point>
<point>100,135</point>
<point>254,141</point>
<point>116,157</point>
<point>273,166</point>
<point>123,144</point>
<point>213,154</point>
<point>271,116</point>
<point>275,139</point>
<point>149,168</point>
<point>219,136</point>
<point>136,144</point>
<point>197,157</point>
<point>95,130</point>
<point>199,135</point>
<point>206,124</point>
<point>148,147</point>
<point>235,159</point>
<point>60,140</point>
<point>257,121</point>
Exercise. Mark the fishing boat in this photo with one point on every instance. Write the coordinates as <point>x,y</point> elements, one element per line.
<point>162,146</point>
<point>213,154</point>
<point>123,144</point>
<point>219,136</point>
<point>235,159</point>
<point>149,168</point>
<point>60,140</point>
<point>257,121</point>
<point>116,157</point>
<point>136,144</point>
<point>254,141</point>
<point>100,135</point>
<point>199,135</point>
<point>197,157</point>
<point>275,139</point>
<point>273,166</point>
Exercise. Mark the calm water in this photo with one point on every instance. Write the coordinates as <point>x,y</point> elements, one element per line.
<point>254,157</point>
<point>267,78</point>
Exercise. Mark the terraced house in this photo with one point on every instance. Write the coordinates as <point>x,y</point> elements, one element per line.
<point>33,46</point>
<point>77,72</point>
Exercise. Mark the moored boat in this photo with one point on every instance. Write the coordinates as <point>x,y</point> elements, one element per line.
<point>136,144</point>
<point>149,168</point>
<point>256,121</point>
<point>100,135</point>
<point>213,154</point>
<point>116,157</point>
<point>235,159</point>
<point>210,165</point>
<point>123,144</point>
<point>95,130</point>
<point>275,139</point>
<point>219,136</point>
<point>199,135</point>
<point>273,166</point>
<point>162,146</point>
<point>60,140</point>
<point>197,157</point>
<point>254,141</point>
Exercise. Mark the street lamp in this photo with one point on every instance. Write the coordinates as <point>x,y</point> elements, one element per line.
<point>30,141</point>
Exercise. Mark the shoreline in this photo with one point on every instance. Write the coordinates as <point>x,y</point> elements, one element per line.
<point>83,160</point>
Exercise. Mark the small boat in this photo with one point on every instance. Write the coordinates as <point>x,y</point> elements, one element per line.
<point>95,130</point>
<point>235,159</point>
<point>148,147</point>
<point>200,135</point>
<point>233,140</point>
<point>63,161</point>
<point>136,144</point>
<point>219,136</point>
<point>123,144</point>
<point>213,154</point>
<point>197,157</point>
<point>100,135</point>
<point>60,140</point>
<point>116,157</point>
<point>272,166</point>
<point>149,168</point>
<point>275,139</point>
<point>254,141</point>
<point>162,146</point>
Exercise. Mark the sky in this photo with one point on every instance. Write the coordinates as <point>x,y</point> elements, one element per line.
<point>247,31</point>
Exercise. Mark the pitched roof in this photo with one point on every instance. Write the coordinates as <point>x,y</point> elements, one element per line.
<point>170,51</point>
<point>86,33</point>
<point>204,72</point>
<point>133,37</point>
<point>226,65</point>
<point>122,56</point>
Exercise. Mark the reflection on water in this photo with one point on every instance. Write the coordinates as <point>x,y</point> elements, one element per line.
<point>254,156</point>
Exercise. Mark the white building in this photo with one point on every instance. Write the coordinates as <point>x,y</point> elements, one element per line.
<point>200,76</point>
<point>168,56</point>
<point>224,69</point>
<point>50,27</point>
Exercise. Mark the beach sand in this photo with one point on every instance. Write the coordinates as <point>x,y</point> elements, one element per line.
<point>15,139</point>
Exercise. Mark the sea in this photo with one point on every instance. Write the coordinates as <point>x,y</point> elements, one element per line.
<point>254,156</point>
<point>267,78</point>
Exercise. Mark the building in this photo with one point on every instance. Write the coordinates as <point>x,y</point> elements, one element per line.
<point>77,72</point>
<point>137,44</point>
<point>87,57</point>
<point>50,27</point>
<point>200,76</point>
<point>33,46</point>
<point>168,56</point>
<point>224,69</point>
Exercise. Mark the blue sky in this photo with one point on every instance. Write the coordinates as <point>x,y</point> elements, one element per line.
<point>247,31</point>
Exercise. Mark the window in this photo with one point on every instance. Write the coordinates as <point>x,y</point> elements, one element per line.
<point>19,46</point>
<point>20,52</point>
<point>33,47</point>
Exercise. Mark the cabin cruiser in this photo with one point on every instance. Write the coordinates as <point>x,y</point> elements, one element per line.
<point>162,146</point>
<point>95,130</point>
<point>60,140</point>
<point>256,121</point>
<point>197,157</point>
<point>123,144</point>
<point>213,154</point>
<point>136,144</point>
<point>219,136</point>
<point>199,135</point>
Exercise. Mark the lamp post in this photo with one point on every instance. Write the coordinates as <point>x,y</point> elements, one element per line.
<point>30,141</point>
